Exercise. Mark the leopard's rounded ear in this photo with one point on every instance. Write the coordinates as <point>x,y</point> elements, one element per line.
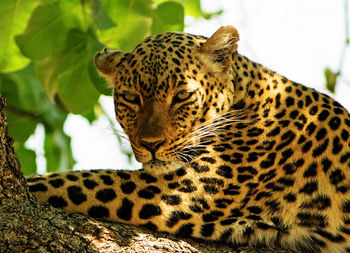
<point>107,62</point>
<point>219,48</point>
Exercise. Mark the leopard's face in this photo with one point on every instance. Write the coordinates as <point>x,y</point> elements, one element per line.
<point>158,113</point>
<point>168,92</point>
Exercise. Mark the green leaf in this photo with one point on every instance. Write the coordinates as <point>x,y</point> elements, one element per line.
<point>133,19</point>
<point>90,116</point>
<point>75,87</point>
<point>26,158</point>
<point>69,73</point>
<point>14,15</point>
<point>331,79</point>
<point>100,17</point>
<point>76,90</point>
<point>118,10</point>
<point>92,48</point>
<point>193,8</point>
<point>21,126</point>
<point>28,104</point>
<point>8,89</point>
<point>25,102</point>
<point>24,91</point>
<point>47,28</point>
<point>128,34</point>
<point>58,151</point>
<point>163,1</point>
<point>46,71</point>
<point>98,82</point>
<point>169,16</point>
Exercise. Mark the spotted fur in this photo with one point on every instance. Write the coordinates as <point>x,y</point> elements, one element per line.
<point>231,150</point>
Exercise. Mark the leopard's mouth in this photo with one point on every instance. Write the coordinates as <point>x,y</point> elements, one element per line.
<point>157,167</point>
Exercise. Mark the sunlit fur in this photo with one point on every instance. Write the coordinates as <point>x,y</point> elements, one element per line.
<point>231,151</point>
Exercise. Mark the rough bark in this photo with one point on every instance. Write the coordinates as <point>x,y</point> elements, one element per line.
<point>12,182</point>
<point>27,226</point>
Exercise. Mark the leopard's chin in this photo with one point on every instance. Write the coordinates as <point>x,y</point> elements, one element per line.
<point>157,167</point>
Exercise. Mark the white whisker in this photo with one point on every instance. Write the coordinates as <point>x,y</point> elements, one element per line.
<point>204,133</point>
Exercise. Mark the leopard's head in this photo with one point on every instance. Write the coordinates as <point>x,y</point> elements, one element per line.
<point>169,92</point>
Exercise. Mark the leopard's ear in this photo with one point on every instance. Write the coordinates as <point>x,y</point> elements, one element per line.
<point>107,62</point>
<point>218,50</point>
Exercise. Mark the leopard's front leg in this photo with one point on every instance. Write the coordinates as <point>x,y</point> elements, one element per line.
<point>161,202</point>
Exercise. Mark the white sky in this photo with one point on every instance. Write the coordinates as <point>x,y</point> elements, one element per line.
<point>295,38</point>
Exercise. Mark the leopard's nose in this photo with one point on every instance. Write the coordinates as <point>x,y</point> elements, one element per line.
<point>152,146</point>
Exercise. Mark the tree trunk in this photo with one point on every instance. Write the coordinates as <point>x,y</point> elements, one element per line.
<point>27,226</point>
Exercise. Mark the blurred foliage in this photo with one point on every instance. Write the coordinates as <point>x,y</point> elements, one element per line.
<point>46,67</point>
<point>331,79</point>
<point>331,76</point>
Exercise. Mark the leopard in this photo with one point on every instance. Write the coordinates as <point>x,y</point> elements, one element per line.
<point>230,150</point>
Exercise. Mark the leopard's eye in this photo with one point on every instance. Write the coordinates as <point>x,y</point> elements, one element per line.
<point>132,98</point>
<point>182,96</point>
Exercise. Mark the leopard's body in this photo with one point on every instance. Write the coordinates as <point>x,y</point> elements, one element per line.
<point>231,150</point>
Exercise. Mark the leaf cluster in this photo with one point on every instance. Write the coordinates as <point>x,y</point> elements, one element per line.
<point>46,67</point>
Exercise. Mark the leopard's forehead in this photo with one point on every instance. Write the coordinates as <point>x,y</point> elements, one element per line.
<point>162,62</point>
<point>169,44</point>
